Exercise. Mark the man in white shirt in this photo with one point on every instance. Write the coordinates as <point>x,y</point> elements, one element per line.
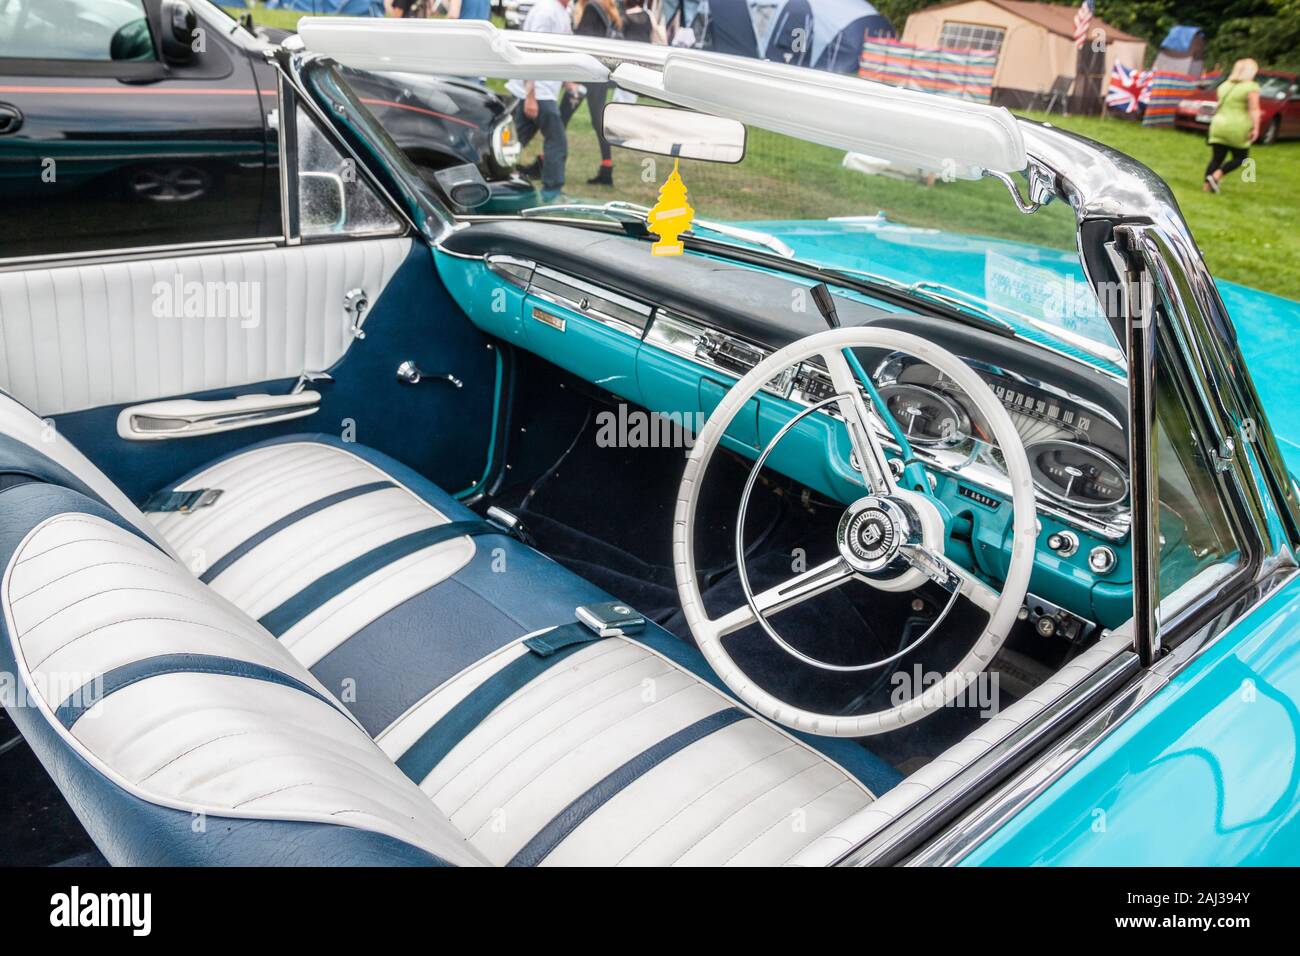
<point>538,107</point>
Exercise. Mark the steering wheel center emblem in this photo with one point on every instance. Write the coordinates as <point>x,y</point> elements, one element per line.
<point>870,532</point>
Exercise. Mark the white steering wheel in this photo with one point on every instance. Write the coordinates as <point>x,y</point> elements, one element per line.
<point>892,538</point>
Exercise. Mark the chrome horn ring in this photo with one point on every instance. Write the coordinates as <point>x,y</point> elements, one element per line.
<point>860,552</point>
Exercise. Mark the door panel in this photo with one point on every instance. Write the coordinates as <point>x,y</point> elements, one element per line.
<point>78,337</point>
<point>91,346</point>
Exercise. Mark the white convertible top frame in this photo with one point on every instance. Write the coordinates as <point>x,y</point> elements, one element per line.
<point>950,136</point>
<point>447,47</point>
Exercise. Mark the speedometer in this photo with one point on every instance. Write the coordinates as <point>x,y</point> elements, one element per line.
<point>927,417</point>
<point>1077,474</point>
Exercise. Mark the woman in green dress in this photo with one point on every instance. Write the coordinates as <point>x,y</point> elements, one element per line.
<point>1236,123</point>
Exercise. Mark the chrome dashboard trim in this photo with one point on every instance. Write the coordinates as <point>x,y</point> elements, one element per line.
<point>518,272</point>
<point>685,337</point>
<point>609,308</point>
<point>702,344</point>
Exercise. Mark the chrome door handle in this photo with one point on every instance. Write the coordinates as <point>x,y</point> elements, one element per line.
<point>11,119</point>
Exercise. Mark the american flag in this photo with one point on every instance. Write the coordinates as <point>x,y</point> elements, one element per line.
<point>1082,20</point>
<point>1128,88</point>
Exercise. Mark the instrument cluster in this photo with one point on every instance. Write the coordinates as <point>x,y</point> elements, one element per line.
<point>1077,451</point>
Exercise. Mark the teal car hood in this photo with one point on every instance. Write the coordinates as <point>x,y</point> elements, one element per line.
<point>1018,278</point>
<point>1268,333</point>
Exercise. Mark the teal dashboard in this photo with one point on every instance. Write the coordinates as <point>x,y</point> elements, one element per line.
<point>673,335</point>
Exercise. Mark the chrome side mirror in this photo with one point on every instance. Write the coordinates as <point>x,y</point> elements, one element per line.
<point>179,24</point>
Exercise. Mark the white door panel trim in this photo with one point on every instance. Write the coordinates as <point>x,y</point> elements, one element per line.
<point>84,336</point>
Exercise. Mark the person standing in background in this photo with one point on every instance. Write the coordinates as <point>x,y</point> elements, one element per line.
<point>538,109</point>
<point>1236,123</point>
<point>637,24</point>
<point>599,18</point>
<point>469,9</point>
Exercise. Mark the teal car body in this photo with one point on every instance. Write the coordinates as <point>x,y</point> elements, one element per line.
<point>1207,771</point>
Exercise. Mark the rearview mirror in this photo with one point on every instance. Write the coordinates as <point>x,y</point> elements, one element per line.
<point>672,132</point>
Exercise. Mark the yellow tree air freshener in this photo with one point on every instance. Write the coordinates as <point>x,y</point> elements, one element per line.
<point>671,216</point>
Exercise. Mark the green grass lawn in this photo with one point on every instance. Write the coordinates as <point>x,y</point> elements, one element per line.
<point>785,178</point>
<point>1248,232</point>
<point>279,19</point>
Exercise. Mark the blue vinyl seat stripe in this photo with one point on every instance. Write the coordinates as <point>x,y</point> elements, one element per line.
<point>94,691</point>
<point>280,619</point>
<point>210,575</point>
<point>587,803</point>
<point>454,726</point>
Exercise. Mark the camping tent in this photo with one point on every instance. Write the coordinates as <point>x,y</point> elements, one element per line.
<point>1034,43</point>
<point>1183,51</point>
<point>825,34</point>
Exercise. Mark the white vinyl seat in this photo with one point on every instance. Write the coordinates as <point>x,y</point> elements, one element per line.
<point>325,673</point>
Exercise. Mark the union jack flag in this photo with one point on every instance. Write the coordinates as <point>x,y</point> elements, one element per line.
<point>1128,88</point>
<point>1082,20</point>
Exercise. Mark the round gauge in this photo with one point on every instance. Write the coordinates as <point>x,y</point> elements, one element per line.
<point>926,416</point>
<point>1077,475</point>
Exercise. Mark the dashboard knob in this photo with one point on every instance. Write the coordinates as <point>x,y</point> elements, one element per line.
<point>1101,560</point>
<point>1064,543</point>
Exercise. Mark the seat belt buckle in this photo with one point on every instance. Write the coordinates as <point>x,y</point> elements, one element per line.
<point>511,524</point>
<point>610,619</point>
<point>185,502</point>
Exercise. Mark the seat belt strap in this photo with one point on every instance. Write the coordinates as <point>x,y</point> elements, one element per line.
<point>161,502</point>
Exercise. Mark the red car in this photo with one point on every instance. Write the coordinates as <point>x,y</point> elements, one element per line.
<point>1279,97</point>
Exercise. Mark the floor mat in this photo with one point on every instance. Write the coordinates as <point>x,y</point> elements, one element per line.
<point>37,827</point>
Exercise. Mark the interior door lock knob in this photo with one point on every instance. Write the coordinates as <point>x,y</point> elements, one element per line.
<point>355,304</point>
<point>408,373</point>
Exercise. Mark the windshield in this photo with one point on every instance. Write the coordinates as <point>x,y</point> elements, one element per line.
<point>960,241</point>
<point>1274,85</point>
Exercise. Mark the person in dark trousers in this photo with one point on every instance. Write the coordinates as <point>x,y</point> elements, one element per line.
<point>538,109</point>
<point>1236,123</point>
<point>599,18</point>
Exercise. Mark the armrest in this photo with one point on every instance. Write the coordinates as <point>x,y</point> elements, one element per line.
<point>190,418</point>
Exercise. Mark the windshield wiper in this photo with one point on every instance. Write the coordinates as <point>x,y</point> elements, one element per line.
<point>932,291</point>
<point>1081,342</point>
<point>620,210</point>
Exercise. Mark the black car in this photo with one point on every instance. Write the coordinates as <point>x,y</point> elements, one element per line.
<point>154,122</point>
